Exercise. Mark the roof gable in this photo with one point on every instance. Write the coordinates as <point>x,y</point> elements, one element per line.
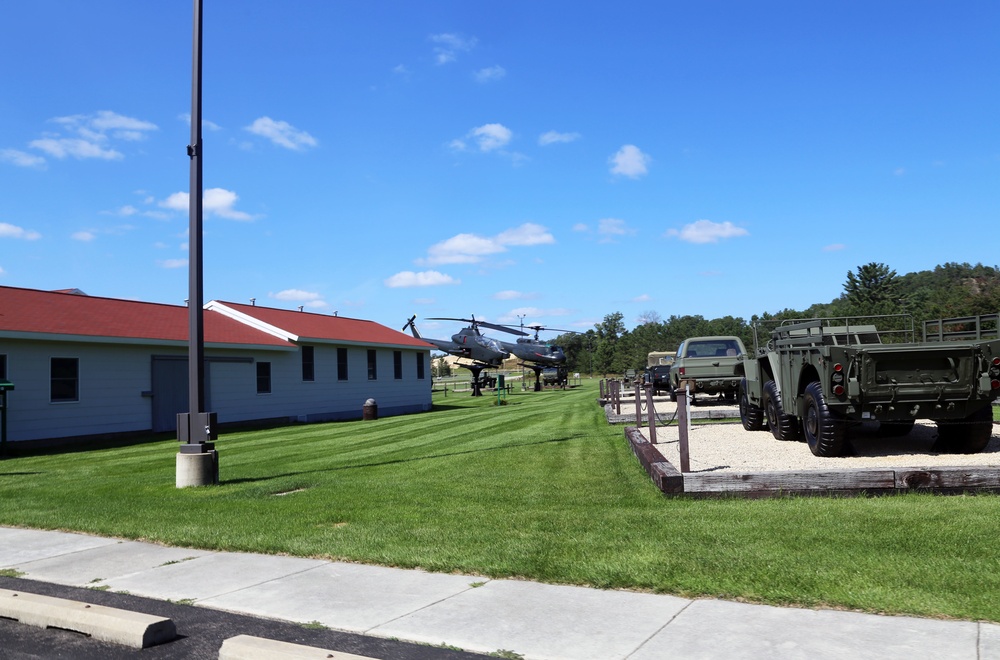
<point>308,326</point>
<point>69,315</point>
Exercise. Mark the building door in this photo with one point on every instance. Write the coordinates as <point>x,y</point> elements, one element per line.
<point>170,391</point>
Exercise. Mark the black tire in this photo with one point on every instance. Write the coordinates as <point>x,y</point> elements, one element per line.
<point>751,415</point>
<point>895,429</point>
<point>673,394</point>
<point>965,436</point>
<point>783,427</point>
<point>824,431</point>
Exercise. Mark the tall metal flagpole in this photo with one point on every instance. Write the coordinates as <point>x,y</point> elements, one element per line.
<point>197,462</point>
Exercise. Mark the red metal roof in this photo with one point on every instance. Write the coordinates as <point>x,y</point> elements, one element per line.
<point>51,312</point>
<point>324,327</point>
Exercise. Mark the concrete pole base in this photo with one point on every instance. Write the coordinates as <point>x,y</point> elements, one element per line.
<point>197,469</point>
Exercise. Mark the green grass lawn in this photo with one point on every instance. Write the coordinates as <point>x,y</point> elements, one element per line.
<point>541,488</point>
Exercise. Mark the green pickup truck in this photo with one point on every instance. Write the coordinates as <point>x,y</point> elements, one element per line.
<point>709,366</point>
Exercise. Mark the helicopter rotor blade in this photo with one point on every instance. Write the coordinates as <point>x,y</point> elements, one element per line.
<point>503,328</point>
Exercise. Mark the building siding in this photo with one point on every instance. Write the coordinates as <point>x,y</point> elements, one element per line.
<point>114,377</point>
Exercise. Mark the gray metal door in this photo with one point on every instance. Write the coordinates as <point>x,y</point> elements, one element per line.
<point>170,391</point>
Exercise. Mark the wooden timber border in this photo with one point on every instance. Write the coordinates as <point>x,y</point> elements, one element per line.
<point>860,481</point>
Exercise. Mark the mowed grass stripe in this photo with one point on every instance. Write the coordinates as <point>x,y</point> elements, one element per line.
<point>540,488</point>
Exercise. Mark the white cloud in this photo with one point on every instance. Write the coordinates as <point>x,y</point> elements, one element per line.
<point>13,231</point>
<point>297,295</point>
<point>76,147</point>
<point>554,137</point>
<point>89,135</point>
<point>2,271</point>
<point>447,46</point>
<point>408,278</point>
<point>527,234</point>
<point>215,201</point>
<point>21,158</point>
<point>491,136</point>
<point>630,162</point>
<point>84,236</point>
<point>580,227</point>
<point>706,231</point>
<point>282,134</point>
<point>514,295</point>
<point>609,228</point>
<point>172,263</point>
<point>834,247</point>
<point>490,74</point>
<point>471,248</point>
<point>642,298</point>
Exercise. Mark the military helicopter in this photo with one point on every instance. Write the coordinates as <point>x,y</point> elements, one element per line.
<point>534,353</point>
<point>468,343</point>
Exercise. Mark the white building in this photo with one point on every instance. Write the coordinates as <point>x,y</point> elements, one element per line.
<point>86,366</point>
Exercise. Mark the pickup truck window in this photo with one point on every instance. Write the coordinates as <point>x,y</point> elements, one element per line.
<point>715,348</point>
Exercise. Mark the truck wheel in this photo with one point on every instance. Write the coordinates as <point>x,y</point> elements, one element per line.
<point>824,431</point>
<point>751,416</point>
<point>783,427</point>
<point>673,394</point>
<point>895,429</point>
<point>965,436</point>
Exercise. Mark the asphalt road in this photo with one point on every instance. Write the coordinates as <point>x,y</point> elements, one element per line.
<point>200,630</point>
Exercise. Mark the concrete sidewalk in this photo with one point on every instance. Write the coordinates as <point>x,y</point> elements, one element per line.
<point>478,614</point>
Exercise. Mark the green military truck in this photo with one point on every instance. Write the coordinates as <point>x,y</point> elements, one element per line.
<point>819,378</point>
<point>708,365</point>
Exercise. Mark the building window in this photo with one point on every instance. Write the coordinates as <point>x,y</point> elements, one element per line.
<point>3,367</point>
<point>308,365</point>
<point>397,365</point>
<point>420,366</point>
<point>64,383</point>
<point>341,364</point>
<point>263,378</point>
<point>372,366</point>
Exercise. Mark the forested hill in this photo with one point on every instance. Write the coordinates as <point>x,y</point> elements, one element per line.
<point>947,291</point>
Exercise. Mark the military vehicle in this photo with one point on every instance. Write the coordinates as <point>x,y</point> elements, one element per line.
<point>470,344</point>
<point>710,365</point>
<point>818,379</point>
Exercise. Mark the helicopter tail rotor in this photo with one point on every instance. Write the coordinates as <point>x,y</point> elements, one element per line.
<point>412,326</point>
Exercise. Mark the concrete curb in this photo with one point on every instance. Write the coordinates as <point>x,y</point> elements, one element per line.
<point>104,623</point>
<point>248,647</point>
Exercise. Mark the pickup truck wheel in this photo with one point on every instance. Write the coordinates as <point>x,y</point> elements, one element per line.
<point>783,427</point>
<point>673,394</point>
<point>965,436</point>
<point>824,431</point>
<point>751,416</point>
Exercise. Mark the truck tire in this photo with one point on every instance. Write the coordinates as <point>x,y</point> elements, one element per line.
<point>783,427</point>
<point>751,416</point>
<point>965,436</point>
<point>823,430</point>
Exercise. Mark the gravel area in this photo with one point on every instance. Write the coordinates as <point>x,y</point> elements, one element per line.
<point>718,447</point>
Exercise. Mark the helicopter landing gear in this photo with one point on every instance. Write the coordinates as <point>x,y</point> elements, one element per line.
<point>538,376</point>
<point>476,371</point>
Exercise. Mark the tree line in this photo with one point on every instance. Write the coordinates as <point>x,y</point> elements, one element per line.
<point>947,291</point>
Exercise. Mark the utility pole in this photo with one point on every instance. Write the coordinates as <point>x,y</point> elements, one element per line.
<point>197,461</point>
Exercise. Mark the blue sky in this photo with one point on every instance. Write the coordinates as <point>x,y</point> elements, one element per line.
<point>556,161</point>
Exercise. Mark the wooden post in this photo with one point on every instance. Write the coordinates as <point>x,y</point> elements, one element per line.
<point>600,384</point>
<point>638,409</point>
<point>618,397</point>
<point>684,427</point>
<point>650,413</point>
